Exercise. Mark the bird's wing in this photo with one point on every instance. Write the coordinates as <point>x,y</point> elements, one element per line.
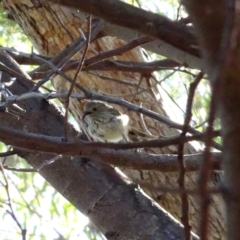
<point>114,112</point>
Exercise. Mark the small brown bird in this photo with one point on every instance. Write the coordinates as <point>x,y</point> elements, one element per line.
<point>106,124</point>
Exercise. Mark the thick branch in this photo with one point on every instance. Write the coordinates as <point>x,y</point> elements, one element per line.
<point>151,24</point>
<point>177,42</point>
<point>57,145</point>
<point>92,187</point>
<point>100,151</point>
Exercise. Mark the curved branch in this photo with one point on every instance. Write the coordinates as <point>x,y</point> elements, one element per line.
<point>106,152</point>
<point>176,42</point>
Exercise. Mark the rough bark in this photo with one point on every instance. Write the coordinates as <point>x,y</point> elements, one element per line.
<point>49,35</point>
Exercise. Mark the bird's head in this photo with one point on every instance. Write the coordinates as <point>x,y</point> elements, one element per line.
<point>94,108</point>
<point>98,110</point>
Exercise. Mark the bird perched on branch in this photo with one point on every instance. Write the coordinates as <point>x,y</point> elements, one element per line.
<point>106,124</point>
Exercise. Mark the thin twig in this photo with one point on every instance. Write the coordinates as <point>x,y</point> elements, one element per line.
<point>54,13</point>
<point>110,65</point>
<point>76,47</point>
<point>127,66</point>
<point>205,171</point>
<point>182,167</point>
<point>119,81</point>
<point>143,124</point>
<point>20,169</point>
<point>137,88</point>
<point>118,51</point>
<point>13,73</point>
<point>218,72</point>
<point>179,190</point>
<point>76,75</point>
<point>47,162</point>
<point>96,96</point>
<point>58,66</point>
<point>11,212</point>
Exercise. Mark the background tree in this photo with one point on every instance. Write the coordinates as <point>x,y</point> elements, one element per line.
<point>51,27</point>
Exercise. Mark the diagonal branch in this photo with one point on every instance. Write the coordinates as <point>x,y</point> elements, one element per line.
<point>88,185</point>
<point>151,24</point>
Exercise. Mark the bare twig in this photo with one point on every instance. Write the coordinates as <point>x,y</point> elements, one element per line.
<point>216,77</point>
<point>118,51</point>
<point>57,145</point>
<point>11,212</point>
<point>147,112</point>
<point>96,96</point>
<point>13,73</point>
<point>110,65</point>
<point>76,75</point>
<point>20,169</point>
<point>119,81</point>
<point>49,161</point>
<point>8,153</point>
<point>59,65</point>
<point>182,169</point>
<point>137,88</point>
<point>164,189</point>
<point>76,46</point>
<point>126,66</point>
<point>205,171</point>
<point>61,23</point>
<point>91,63</point>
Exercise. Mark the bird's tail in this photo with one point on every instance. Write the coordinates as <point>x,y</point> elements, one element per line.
<point>136,135</point>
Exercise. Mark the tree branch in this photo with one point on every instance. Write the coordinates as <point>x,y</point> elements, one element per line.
<point>177,41</point>
<point>104,152</point>
<point>143,21</point>
<point>89,185</point>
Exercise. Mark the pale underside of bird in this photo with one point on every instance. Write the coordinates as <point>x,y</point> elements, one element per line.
<point>106,124</point>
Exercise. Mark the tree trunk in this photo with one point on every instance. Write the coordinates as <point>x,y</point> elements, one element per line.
<point>51,28</point>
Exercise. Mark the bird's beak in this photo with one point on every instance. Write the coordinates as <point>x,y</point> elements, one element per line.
<point>84,115</point>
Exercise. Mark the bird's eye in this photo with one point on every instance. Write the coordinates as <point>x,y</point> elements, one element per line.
<point>94,109</point>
